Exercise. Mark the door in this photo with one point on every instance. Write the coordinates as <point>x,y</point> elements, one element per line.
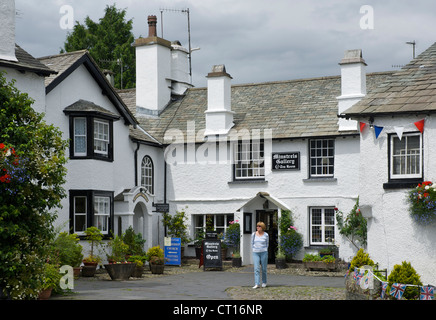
<point>270,217</point>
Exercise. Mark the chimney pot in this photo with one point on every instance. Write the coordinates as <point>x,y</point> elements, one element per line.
<point>152,21</point>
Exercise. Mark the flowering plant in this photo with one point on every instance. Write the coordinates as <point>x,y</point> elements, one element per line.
<point>232,237</point>
<point>353,226</point>
<point>290,241</point>
<point>422,202</point>
<point>6,163</point>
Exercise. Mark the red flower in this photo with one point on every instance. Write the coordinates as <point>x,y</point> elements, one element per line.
<point>427,183</point>
<point>2,145</point>
<point>426,195</point>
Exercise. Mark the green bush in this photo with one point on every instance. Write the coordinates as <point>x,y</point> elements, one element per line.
<point>155,252</point>
<point>405,274</point>
<point>68,250</point>
<point>361,259</point>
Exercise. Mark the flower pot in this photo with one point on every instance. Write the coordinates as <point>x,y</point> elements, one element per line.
<point>157,268</point>
<point>45,294</point>
<point>88,270</point>
<point>120,271</point>
<point>236,262</point>
<point>138,271</point>
<point>281,263</point>
<point>320,265</point>
<point>76,272</point>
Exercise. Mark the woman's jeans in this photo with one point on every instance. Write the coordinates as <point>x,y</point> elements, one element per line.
<point>260,258</point>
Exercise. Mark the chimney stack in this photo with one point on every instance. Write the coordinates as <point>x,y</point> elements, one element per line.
<point>152,22</point>
<point>219,114</point>
<point>7,30</point>
<point>353,85</point>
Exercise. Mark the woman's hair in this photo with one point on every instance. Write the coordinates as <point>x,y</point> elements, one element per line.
<point>260,223</point>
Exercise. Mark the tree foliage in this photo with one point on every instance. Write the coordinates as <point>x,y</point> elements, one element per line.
<point>32,193</point>
<point>109,43</point>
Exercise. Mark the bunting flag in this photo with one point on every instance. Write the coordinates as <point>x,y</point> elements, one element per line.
<point>399,131</point>
<point>420,125</point>
<point>377,131</point>
<point>383,291</point>
<point>397,290</point>
<point>427,293</point>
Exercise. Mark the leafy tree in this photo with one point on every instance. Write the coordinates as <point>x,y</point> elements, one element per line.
<point>33,158</point>
<point>109,43</point>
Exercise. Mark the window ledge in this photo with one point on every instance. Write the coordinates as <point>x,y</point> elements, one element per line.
<point>320,180</point>
<point>248,181</point>
<point>401,184</point>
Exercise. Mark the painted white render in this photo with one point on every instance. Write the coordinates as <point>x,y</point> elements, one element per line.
<point>393,236</point>
<point>30,83</point>
<point>7,27</point>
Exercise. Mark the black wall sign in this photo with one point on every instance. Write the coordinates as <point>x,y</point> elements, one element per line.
<point>162,207</point>
<point>212,254</point>
<point>286,161</point>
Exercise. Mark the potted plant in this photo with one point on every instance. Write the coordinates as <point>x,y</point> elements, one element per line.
<point>177,228</point>
<point>134,241</point>
<point>94,237</point>
<point>156,259</point>
<point>50,280</point>
<point>290,240</point>
<point>68,250</point>
<point>233,238</point>
<point>198,242</point>
<point>316,262</point>
<point>118,268</point>
<point>139,265</point>
<point>280,259</point>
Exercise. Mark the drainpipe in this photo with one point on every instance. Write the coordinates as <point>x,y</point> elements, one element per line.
<point>136,163</point>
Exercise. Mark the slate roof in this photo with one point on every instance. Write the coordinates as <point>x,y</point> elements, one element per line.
<point>411,90</point>
<point>292,109</point>
<point>27,62</point>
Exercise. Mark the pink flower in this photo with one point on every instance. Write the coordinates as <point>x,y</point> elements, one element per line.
<point>292,227</point>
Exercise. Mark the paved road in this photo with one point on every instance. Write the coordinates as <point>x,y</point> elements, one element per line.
<point>209,285</point>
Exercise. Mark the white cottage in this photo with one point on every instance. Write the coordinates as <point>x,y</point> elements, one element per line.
<point>396,154</point>
<point>226,146</point>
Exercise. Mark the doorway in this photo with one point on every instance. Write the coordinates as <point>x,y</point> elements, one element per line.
<point>270,218</point>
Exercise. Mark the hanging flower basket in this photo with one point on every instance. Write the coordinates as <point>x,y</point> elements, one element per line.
<point>422,203</point>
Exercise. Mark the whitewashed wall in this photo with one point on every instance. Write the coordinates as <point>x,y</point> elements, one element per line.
<point>205,188</point>
<point>392,235</point>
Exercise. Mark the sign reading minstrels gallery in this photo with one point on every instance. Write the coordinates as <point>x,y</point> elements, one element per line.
<point>286,161</point>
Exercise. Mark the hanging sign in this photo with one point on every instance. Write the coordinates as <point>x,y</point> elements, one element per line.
<point>173,251</point>
<point>286,161</point>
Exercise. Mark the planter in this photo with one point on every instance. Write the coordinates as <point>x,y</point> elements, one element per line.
<point>281,263</point>
<point>89,268</point>
<point>236,262</point>
<point>320,265</point>
<point>138,271</point>
<point>157,268</point>
<point>223,254</point>
<point>76,272</point>
<point>45,294</point>
<point>120,271</point>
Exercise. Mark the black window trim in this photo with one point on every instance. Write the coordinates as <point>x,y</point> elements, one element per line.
<point>90,117</point>
<point>403,183</point>
<point>90,195</point>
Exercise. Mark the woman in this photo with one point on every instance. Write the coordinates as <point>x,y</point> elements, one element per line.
<point>259,244</point>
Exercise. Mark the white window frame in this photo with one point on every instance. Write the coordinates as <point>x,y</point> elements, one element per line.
<point>203,217</point>
<point>101,136</point>
<point>324,157</point>
<point>85,214</point>
<point>249,158</point>
<point>76,136</point>
<point>405,156</point>
<point>323,226</point>
<point>102,209</point>
<point>147,174</point>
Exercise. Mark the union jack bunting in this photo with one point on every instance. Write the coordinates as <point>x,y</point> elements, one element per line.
<point>427,293</point>
<point>383,291</point>
<point>357,276</point>
<point>397,290</point>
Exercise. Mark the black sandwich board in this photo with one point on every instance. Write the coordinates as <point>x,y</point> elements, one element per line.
<point>212,253</point>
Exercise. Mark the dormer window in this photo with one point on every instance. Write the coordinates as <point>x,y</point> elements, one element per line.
<point>91,131</point>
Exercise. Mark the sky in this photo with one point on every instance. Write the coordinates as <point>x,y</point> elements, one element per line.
<point>257,40</point>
